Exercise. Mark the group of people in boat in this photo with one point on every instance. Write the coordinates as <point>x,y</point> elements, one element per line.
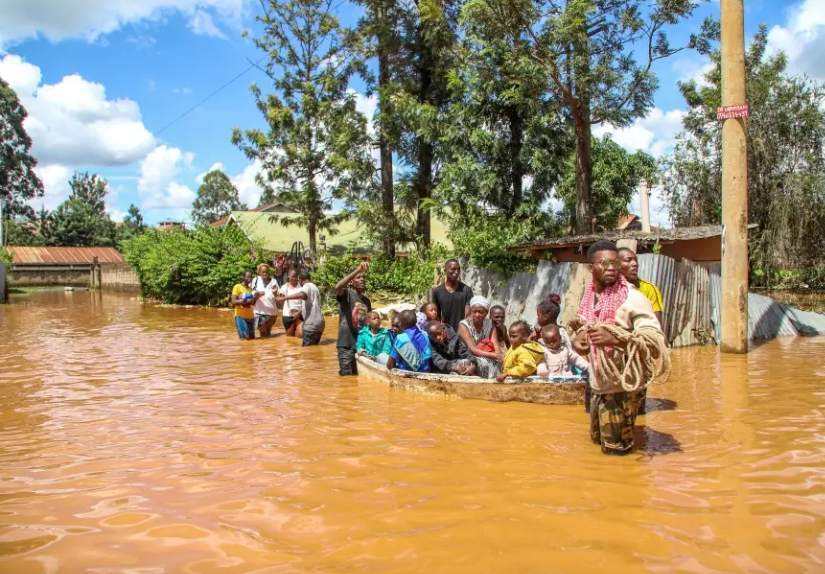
<point>462,334</point>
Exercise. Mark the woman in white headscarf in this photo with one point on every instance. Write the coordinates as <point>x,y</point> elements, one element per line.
<point>480,335</point>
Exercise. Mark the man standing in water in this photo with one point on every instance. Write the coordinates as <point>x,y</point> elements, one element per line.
<point>353,305</point>
<point>609,299</point>
<point>453,297</point>
<point>314,323</point>
<point>630,270</point>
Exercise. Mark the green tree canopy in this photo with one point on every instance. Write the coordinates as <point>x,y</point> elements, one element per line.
<point>786,165</point>
<point>616,177</point>
<point>18,181</point>
<point>81,220</point>
<point>217,197</point>
<point>316,148</point>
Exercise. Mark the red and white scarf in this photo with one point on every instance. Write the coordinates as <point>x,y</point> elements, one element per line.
<point>603,311</point>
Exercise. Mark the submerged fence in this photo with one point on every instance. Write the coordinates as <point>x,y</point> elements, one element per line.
<point>691,293</point>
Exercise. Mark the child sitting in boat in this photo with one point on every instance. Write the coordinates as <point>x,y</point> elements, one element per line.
<point>524,356</point>
<point>547,313</point>
<point>411,350</point>
<point>433,313</point>
<point>374,340</point>
<point>558,358</point>
<point>449,351</point>
<point>497,314</point>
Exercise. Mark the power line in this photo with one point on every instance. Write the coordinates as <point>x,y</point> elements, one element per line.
<point>186,113</point>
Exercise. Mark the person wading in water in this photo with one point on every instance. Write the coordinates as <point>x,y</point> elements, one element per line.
<point>353,305</point>
<point>610,300</point>
<point>453,297</point>
<point>630,270</point>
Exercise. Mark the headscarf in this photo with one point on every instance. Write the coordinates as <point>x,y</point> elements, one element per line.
<point>480,301</point>
<point>421,321</point>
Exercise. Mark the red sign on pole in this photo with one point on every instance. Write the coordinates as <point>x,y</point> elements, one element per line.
<point>731,112</point>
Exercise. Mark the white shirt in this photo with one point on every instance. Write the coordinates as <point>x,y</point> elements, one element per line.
<point>265,305</point>
<point>313,317</point>
<point>292,304</point>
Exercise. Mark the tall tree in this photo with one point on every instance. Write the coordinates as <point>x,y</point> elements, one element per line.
<point>132,225</point>
<point>590,49</point>
<point>317,148</point>
<point>786,162</point>
<point>217,197</point>
<point>18,181</point>
<point>81,220</point>
<point>616,178</point>
<point>380,31</point>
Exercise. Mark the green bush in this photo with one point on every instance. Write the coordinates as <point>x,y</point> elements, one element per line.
<point>191,267</point>
<point>484,241</point>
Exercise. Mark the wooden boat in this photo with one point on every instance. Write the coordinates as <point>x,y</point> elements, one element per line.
<point>567,390</point>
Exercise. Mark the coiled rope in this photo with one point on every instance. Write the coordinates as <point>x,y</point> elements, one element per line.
<point>647,358</point>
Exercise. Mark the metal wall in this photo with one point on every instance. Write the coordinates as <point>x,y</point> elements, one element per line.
<point>691,293</point>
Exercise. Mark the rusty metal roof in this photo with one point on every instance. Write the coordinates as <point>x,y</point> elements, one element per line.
<point>65,255</point>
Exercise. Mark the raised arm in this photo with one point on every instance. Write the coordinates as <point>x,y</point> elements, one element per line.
<point>343,283</point>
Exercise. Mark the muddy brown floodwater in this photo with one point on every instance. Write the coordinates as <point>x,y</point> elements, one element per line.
<point>142,439</point>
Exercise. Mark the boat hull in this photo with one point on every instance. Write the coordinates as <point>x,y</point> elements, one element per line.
<point>556,391</point>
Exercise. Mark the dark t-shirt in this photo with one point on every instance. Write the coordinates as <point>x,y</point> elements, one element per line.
<point>347,331</point>
<point>452,304</point>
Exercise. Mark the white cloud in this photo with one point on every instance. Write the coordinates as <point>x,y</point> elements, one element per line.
<point>157,183</point>
<point>802,38</point>
<point>217,166</point>
<point>248,190</point>
<point>654,134</point>
<point>202,24</point>
<point>72,122</point>
<point>693,68</point>
<point>184,91</point>
<point>90,19</point>
<point>56,189</point>
<point>367,105</point>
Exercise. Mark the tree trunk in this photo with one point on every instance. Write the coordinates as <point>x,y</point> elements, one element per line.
<point>516,143</point>
<point>584,177</point>
<point>313,231</point>
<point>387,193</point>
<point>424,189</point>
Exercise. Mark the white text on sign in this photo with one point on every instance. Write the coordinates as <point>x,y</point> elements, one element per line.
<point>731,112</point>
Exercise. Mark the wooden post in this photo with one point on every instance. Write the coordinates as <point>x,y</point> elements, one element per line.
<point>734,183</point>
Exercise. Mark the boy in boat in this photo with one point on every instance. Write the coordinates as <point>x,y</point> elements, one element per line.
<point>411,350</point>
<point>374,340</point>
<point>449,351</point>
<point>351,302</point>
<point>243,299</point>
<point>433,313</point>
<point>524,356</point>
<point>558,359</point>
<point>610,300</point>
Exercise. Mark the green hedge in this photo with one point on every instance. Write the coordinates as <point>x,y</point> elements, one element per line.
<point>191,267</point>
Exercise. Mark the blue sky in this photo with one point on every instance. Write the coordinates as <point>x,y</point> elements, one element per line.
<point>101,78</point>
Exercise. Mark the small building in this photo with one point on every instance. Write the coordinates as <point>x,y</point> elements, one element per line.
<point>62,266</point>
<point>700,244</point>
<point>170,224</point>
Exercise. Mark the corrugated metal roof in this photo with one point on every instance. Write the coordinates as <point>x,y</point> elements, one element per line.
<point>66,255</point>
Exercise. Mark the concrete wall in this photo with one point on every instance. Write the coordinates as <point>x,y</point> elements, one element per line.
<point>49,276</point>
<point>119,277</point>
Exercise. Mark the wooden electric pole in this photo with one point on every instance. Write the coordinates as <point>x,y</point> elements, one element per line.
<point>734,180</point>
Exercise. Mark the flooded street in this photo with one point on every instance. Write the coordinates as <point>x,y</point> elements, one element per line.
<point>143,439</point>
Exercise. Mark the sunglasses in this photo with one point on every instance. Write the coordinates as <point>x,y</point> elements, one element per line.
<point>608,263</point>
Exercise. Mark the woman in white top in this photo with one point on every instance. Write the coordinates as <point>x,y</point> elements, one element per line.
<point>292,307</point>
<point>266,311</point>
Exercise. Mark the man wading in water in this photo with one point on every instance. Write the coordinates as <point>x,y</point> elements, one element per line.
<point>353,306</point>
<point>609,299</point>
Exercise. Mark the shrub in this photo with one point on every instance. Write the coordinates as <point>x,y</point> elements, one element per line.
<point>191,267</point>
<point>6,257</point>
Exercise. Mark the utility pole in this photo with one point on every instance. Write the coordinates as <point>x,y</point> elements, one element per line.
<point>734,180</point>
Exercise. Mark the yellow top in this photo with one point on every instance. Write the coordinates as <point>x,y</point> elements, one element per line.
<point>241,311</point>
<point>652,292</point>
<point>522,361</point>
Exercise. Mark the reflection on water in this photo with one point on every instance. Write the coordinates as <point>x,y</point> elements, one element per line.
<point>137,438</point>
